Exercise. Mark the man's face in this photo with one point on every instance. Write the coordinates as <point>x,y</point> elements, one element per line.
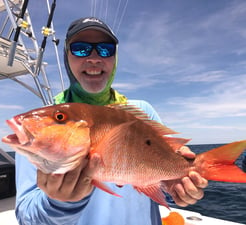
<point>93,71</point>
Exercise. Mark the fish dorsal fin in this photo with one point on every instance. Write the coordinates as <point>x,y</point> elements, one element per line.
<point>140,114</point>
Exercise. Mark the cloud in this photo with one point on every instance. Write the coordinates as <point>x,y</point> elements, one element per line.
<point>146,49</point>
<point>135,84</point>
<point>7,107</point>
<point>183,50</point>
<point>206,77</point>
<point>226,99</point>
<point>228,18</point>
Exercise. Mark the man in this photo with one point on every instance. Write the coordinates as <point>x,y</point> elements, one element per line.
<point>90,57</point>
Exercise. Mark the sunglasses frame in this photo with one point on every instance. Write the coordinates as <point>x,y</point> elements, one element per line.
<point>94,46</point>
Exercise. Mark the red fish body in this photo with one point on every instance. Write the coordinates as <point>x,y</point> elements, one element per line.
<point>133,149</point>
<point>125,156</point>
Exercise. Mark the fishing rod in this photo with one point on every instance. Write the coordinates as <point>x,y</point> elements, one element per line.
<point>46,31</point>
<point>21,23</point>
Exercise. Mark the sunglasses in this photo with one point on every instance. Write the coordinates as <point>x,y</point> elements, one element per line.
<point>84,49</point>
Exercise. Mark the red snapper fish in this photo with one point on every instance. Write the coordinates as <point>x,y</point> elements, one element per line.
<point>133,149</point>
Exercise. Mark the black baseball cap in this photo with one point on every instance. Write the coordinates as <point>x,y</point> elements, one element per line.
<point>89,23</point>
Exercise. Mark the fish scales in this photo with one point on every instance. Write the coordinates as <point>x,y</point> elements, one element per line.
<point>137,155</point>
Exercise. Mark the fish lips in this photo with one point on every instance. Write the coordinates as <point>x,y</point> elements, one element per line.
<point>20,137</point>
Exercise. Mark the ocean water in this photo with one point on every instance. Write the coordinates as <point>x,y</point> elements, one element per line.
<point>222,200</point>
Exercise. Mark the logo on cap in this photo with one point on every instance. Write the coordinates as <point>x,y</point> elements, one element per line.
<point>92,20</point>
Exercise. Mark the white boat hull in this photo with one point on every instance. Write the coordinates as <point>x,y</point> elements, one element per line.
<point>194,218</point>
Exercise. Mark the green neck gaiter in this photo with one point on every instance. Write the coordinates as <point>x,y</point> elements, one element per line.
<point>75,93</point>
<point>72,94</point>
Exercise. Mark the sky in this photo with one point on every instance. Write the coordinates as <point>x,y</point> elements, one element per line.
<point>186,58</point>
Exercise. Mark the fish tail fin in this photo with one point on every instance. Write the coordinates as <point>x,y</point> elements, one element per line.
<point>218,164</point>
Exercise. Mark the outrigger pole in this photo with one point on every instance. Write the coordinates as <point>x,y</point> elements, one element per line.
<point>24,60</point>
<point>46,31</point>
<point>17,33</point>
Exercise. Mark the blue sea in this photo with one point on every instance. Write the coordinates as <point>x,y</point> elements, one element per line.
<point>222,200</point>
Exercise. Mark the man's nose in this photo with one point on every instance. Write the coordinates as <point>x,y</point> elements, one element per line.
<point>94,57</point>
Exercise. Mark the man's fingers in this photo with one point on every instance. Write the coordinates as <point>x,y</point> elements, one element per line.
<point>41,179</point>
<point>192,190</point>
<point>71,178</point>
<point>182,193</point>
<point>198,180</point>
<point>178,200</point>
<point>49,183</point>
<point>186,152</point>
<point>73,185</point>
<point>83,184</point>
<point>189,189</point>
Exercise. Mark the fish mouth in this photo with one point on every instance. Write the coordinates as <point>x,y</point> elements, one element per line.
<point>21,135</point>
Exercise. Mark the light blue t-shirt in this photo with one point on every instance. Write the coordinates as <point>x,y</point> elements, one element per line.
<point>34,207</point>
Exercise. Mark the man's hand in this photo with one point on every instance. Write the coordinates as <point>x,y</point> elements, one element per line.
<point>71,186</point>
<point>188,190</point>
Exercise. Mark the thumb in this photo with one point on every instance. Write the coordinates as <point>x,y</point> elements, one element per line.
<point>186,152</point>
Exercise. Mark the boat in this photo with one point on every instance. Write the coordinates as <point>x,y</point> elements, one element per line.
<point>7,215</point>
<point>195,218</point>
<point>18,59</point>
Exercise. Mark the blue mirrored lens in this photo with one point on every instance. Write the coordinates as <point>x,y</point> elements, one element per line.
<point>81,49</point>
<point>105,49</point>
<point>84,49</point>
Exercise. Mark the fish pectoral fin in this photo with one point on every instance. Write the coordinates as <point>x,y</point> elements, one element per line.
<point>115,137</point>
<point>104,187</point>
<point>155,192</point>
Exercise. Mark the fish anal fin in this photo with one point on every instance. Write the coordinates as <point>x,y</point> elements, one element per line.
<point>104,187</point>
<point>154,192</point>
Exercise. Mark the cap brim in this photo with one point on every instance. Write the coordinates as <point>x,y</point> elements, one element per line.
<point>99,29</point>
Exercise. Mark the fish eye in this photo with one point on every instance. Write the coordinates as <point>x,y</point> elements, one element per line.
<point>60,116</point>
